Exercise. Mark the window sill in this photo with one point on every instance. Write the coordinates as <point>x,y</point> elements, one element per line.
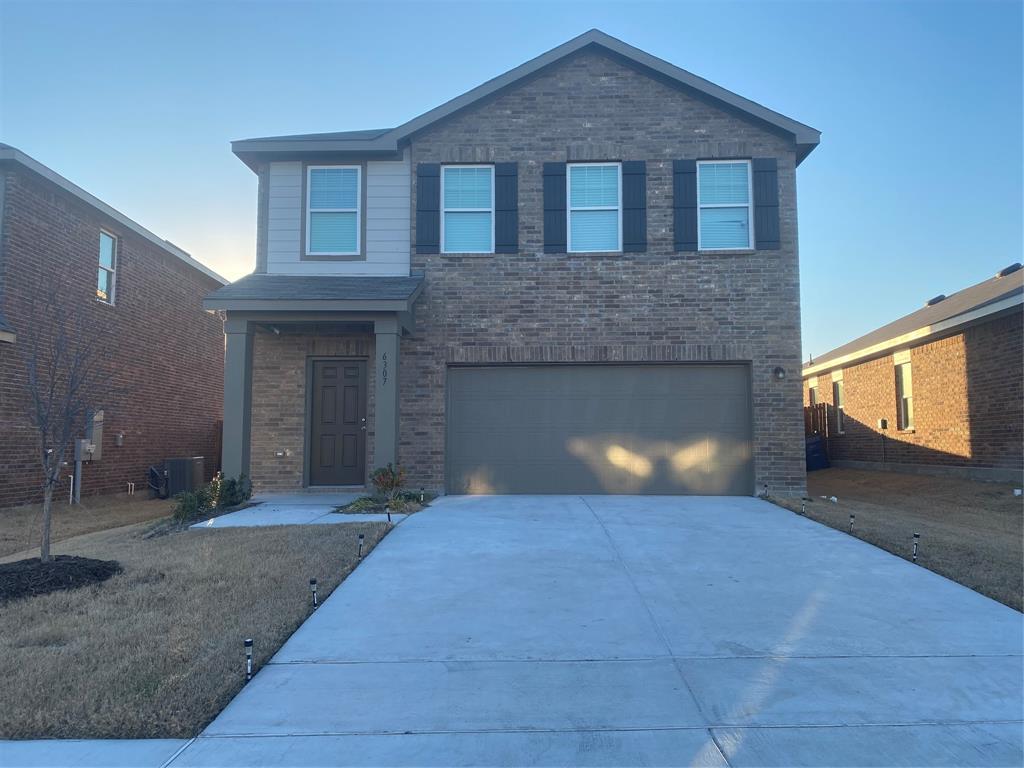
<point>910,431</point>
<point>333,257</point>
<point>105,303</point>
<point>728,252</point>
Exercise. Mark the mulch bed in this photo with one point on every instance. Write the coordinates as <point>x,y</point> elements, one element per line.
<point>32,577</point>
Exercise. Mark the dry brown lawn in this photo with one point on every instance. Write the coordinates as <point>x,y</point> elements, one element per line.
<point>20,526</point>
<point>157,650</point>
<point>971,532</point>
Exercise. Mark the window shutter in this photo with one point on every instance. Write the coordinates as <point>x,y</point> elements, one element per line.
<point>684,204</point>
<point>766,203</point>
<point>554,208</point>
<point>428,208</point>
<point>634,206</point>
<point>506,208</point>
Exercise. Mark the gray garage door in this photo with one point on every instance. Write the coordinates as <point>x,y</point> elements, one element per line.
<point>600,429</point>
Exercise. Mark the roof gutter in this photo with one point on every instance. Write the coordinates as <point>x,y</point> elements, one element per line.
<point>925,332</point>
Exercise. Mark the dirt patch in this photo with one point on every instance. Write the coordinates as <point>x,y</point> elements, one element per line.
<point>156,652</point>
<point>971,532</point>
<point>32,577</point>
<point>406,504</point>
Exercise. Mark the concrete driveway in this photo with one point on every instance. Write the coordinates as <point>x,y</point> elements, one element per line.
<point>625,631</point>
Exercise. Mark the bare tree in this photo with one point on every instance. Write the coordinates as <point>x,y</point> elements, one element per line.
<point>65,379</point>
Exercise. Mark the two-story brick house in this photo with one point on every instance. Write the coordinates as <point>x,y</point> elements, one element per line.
<point>580,276</point>
<point>138,295</point>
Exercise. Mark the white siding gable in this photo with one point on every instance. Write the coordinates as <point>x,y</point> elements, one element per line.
<point>386,221</point>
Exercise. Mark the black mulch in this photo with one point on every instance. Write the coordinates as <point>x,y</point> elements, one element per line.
<point>28,578</point>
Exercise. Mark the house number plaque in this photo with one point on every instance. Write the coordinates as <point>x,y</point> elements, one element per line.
<point>384,369</point>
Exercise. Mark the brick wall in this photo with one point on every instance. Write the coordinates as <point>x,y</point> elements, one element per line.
<point>655,306</point>
<point>279,386</point>
<point>161,349</point>
<point>968,402</point>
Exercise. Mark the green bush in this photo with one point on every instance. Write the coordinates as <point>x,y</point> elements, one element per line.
<point>219,493</point>
<point>388,480</point>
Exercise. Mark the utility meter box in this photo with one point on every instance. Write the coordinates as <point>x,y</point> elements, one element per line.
<point>94,436</point>
<point>883,424</point>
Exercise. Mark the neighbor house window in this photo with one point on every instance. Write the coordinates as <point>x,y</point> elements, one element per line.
<point>725,206</point>
<point>837,401</point>
<point>595,207</point>
<point>332,210</point>
<point>812,396</point>
<point>107,269</point>
<point>904,396</point>
<point>467,216</point>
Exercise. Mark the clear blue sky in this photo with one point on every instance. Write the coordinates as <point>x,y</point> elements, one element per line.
<point>915,190</point>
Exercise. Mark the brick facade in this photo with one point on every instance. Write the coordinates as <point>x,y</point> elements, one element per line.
<point>161,348</point>
<point>968,402</point>
<point>657,306</point>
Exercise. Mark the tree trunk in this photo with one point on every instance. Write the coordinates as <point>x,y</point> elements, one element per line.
<point>44,544</point>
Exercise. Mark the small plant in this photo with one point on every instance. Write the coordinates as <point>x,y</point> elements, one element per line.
<point>363,504</point>
<point>219,493</point>
<point>388,481</point>
<point>190,505</point>
<point>230,492</point>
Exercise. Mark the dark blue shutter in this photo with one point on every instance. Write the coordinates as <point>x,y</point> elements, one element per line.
<point>766,203</point>
<point>684,204</point>
<point>554,208</point>
<point>428,208</point>
<point>634,206</point>
<point>506,208</point>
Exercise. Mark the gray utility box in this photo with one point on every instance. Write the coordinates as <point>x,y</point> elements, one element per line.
<point>184,474</point>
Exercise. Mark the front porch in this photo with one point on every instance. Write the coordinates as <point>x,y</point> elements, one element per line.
<point>311,377</point>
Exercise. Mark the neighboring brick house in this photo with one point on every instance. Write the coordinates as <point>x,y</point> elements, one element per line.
<point>940,390</point>
<point>59,245</point>
<point>580,276</point>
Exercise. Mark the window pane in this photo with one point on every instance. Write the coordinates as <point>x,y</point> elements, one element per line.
<point>906,380</point>
<point>467,232</point>
<point>467,188</point>
<point>908,413</point>
<point>592,185</point>
<point>594,230</point>
<point>106,250</point>
<point>724,228</point>
<point>333,188</point>
<point>724,183</point>
<point>332,233</point>
<point>103,281</point>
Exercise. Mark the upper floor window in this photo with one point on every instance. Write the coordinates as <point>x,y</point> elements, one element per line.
<point>595,207</point>
<point>725,206</point>
<point>904,396</point>
<point>812,395</point>
<point>838,402</point>
<point>107,268</point>
<point>332,210</point>
<point>467,215</point>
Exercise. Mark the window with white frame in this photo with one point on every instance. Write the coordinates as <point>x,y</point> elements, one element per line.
<point>904,396</point>
<point>838,402</point>
<point>333,196</point>
<point>107,268</point>
<point>467,209</point>
<point>812,395</point>
<point>725,206</point>
<point>595,207</point>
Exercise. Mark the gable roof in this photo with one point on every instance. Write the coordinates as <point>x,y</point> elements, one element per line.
<point>389,141</point>
<point>997,294</point>
<point>9,154</point>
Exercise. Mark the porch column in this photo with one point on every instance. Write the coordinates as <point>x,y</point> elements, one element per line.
<point>385,390</point>
<point>237,397</point>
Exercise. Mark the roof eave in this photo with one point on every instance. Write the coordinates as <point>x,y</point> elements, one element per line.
<point>918,336</point>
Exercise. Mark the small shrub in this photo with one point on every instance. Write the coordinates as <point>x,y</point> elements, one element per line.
<point>231,491</point>
<point>190,505</point>
<point>388,480</point>
<point>363,504</point>
<point>418,497</point>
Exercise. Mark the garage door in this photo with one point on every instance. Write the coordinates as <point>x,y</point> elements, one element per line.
<point>657,429</point>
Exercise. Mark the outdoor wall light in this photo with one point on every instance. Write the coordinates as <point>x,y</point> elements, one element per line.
<point>779,372</point>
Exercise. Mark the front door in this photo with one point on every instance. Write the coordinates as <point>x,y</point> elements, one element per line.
<point>337,453</point>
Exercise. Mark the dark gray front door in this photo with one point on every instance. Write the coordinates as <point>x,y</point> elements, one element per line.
<point>657,429</point>
<point>337,453</point>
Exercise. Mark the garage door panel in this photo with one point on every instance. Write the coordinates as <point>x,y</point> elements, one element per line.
<point>599,429</point>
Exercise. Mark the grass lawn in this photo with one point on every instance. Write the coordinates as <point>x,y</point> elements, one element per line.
<point>156,651</point>
<point>971,532</point>
<point>20,526</point>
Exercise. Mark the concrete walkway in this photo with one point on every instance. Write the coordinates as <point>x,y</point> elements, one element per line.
<point>626,631</point>
<point>295,509</point>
